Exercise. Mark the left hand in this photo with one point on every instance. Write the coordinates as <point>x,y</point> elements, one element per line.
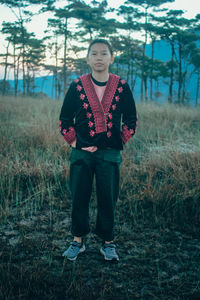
<point>90,149</point>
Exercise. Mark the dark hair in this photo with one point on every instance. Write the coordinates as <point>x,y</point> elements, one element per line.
<point>100,41</point>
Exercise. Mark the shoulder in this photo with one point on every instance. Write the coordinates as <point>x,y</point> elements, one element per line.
<point>121,81</point>
<point>75,84</point>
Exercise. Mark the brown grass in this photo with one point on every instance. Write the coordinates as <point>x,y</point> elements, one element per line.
<point>157,217</point>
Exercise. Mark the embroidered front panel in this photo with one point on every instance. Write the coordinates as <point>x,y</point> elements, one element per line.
<point>100,110</point>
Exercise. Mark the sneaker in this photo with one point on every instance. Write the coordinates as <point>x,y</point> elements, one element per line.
<point>74,249</point>
<point>108,250</point>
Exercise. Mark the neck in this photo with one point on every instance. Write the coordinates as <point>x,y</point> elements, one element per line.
<point>100,76</point>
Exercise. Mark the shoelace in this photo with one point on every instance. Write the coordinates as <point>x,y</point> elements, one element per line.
<point>75,245</point>
<point>110,246</point>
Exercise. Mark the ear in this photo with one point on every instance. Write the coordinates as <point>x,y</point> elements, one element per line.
<point>112,60</point>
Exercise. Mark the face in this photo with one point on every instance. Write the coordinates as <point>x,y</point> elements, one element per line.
<point>99,58</point>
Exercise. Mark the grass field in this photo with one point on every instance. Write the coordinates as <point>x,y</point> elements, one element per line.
<point>157,216</point>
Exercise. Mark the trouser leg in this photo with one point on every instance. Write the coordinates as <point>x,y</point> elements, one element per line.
<point>81,178</point>
<point>107,187</point>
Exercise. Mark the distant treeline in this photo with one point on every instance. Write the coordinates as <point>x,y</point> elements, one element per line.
<point>26,55</point>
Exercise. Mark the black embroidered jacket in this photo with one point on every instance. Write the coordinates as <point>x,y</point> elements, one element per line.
<point>93,123</point>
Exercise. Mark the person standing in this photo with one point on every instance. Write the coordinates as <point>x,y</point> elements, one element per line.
<point>90,122</point>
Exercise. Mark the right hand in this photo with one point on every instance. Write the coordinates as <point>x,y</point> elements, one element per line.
<point>73,145</point>
<point>90,149</point>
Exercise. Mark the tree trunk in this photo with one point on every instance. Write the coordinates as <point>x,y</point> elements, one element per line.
<point>143,77</point>
<point>133,78</point>
<point>65,58</point>
<point>152,66</point>
<point>128,71</point>
<point>6,69</point>
<point>17,75</point>
<point>56,70</point>
<point>145,88</point>
<point>180,73</point>
<point>171,74</point>
<point>23,59</point>
<point>197,89</point>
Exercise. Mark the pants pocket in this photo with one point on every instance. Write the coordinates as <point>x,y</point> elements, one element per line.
<point>78,155</point>
<point>112,155</point>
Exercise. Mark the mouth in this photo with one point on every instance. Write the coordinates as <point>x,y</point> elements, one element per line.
<point>99,64</point>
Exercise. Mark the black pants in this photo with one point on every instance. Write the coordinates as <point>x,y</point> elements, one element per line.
<point>105,165</point>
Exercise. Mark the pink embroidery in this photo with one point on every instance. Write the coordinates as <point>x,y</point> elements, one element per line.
<point>120,90</point>
<point>79,88</point>
<point>82,96</point>
<point>92,132</point>
<point>89,115</point>
<point>126,134</point>
<point>114,106</point>
<point>110,116</point>
<point>100,110</point>
<point>85,105</point>
<point>60,122</point>
<point>64,131</point>
<point>123,81</point>
<point>76,80</point>
<point>110,125</point>
<point>109,134</point>
<point>117,98</point>
<point>90,124</point>
<point>70,136</point>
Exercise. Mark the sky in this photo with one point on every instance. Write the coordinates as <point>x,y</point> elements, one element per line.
<point>39,23</point>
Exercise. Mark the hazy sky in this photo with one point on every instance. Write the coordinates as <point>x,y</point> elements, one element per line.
<point>38,25</point>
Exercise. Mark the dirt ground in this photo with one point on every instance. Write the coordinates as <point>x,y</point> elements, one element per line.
<point>155,263</point>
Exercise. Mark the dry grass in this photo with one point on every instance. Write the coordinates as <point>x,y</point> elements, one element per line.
<point>157,218</point>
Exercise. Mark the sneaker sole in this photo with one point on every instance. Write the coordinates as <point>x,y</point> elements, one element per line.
<point>106,258</point>
<point>74,258</point>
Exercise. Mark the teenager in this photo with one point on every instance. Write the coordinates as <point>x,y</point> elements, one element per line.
<point>90,122</point>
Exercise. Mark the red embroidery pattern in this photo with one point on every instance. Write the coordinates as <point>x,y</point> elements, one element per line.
<point>92,132</point>
<point>82,96</point>
<point>90,124</point>
<point>64,131</point>
<point>76,80</point>
<point>109,133</point>
<point>109,125</point>
<point>114,106</point>
<point>79,88</point>
<point>126,134</point>
<point>123,81</point>
<point>120,89</point>
<point>70,136</point>
<point>110,116</point>
<point>85,105</point>
<point>89,115</point>
<point>100,110</point>
<point>117,98</point>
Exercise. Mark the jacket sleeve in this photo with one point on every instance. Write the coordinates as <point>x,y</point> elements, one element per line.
<point>67,115</point>
<point>129,115</point>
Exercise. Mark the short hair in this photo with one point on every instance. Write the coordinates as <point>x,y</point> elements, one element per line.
<point>100,41</point>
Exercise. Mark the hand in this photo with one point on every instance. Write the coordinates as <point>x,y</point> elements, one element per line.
<point>73,145</point>
<point>90,149</point>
